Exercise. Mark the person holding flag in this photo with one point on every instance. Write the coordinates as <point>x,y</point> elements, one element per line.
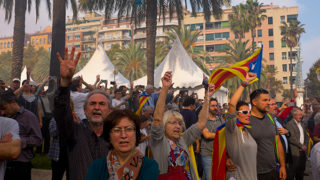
<point>234,139</point>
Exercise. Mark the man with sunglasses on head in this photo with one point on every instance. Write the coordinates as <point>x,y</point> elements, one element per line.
<point>266,135</point>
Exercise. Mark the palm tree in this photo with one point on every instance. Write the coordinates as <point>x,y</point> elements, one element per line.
<point>269,82</point>
<point>238,20</point>
<point>162,50</point>
<point>255,18</point>
<point>186,36</point>
<point>291,35</point>
<point>235,51</point>
<point>148,10</point>
<point>20,8</point>
<point>59,33</point>
<point>130,61</point>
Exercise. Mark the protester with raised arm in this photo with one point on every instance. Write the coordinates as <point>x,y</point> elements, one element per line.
<point>84,141</point>
<point>169,148</point>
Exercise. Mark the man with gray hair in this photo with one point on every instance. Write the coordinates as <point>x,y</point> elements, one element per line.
<point>298,141</point>
<point>153,96</point>
<point>84,141</point>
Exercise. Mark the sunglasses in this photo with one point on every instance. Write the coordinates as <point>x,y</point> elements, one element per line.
<point>244,112</point>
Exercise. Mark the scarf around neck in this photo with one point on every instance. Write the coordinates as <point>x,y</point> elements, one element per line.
<point>128,171</point>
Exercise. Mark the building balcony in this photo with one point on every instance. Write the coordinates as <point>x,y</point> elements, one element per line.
<point>87,49</point>
<point>120,38</point>
<point>89,39</point>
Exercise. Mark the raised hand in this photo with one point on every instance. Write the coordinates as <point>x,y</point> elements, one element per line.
<point>67,66</point>
<point>167,79</point>
<point>250,77</point>
<point>211,89</point>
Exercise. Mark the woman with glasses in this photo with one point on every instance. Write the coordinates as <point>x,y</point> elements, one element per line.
<point>241,147</point>
<point>168,146</point>
<point>122,129</point>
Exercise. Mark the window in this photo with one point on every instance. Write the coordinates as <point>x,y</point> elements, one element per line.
<point>217,36</point>
<point>198,49</point>
<point>292,55</point>
<point>32,41</point>
<point>259,33</point>
<point>271,66</point>
<point>282,19</point>
<point>260,43</point>
<point>271,45</point>
<point>77,36</point>
<point>284,55</point>
<point>293,67</point>
<point>217,25</point>
<point>70,37</point>
<point>11,44</point>
<point>271,56</point>
<point>283,43</point>
<point>40,41</point>
<point>270,32</point>
<point>44,40</point>
<point>209,48</point>
<point>284,68</point>
<point>270,20</point>
<point>216,47</point>
<point>69,46</point>
<point>37,41</point>
<point>285,80</point>
<point>293,17</point>
<point>293,80</point>
<point>0,45</point>
<point>196,27</point>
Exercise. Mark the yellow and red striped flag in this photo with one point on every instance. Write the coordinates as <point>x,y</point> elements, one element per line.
<point>143,99</point>
<point>318,69</point>
<point>240,69</point>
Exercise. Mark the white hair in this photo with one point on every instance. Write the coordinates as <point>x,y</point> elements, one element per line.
<point>169,114</point>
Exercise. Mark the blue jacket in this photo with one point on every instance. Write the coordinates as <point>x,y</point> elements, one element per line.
<point>99,171</point>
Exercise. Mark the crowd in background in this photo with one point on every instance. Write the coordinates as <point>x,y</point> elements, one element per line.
<point>92,131</point>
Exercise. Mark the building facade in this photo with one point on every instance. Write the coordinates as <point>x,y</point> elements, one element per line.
<point>217,32</point>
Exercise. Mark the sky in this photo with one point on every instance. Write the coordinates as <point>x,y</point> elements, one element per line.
<point>310,41</point>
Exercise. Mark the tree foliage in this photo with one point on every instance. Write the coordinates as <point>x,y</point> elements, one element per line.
<point>312,85</point>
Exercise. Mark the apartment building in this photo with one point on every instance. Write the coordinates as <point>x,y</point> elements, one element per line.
<point>41,39</point>
<point>217,32</point>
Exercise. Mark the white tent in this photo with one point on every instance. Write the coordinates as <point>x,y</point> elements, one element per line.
<point>100,64</point>
<point>24,75</point>
<point>185,73</point>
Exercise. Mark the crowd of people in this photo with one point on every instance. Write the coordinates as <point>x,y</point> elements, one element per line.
<point>110,133</point>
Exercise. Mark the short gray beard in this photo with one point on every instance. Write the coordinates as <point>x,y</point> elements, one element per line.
<point>95,124</point>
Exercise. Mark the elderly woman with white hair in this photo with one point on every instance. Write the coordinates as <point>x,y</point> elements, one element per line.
<point>168,146</point>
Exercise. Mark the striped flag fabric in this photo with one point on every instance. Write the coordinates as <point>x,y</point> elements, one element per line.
<point>240,69</point>
<point>142,100</point>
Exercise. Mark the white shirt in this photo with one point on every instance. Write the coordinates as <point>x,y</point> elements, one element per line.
<point>78,99</point>
<point>142,146</point>
<point>315,161</point>
<point>301,132</point>
<point>7,126</point>
<point>116,102</point>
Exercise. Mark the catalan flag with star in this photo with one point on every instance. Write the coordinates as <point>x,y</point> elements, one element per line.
<point>240,69</point>
<point>142,100</point>
<point>219,158</point>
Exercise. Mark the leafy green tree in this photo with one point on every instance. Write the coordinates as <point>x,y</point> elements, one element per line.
<point>162,50</point>
<point>239,20</point>
<point>20,8</point>
<point>5,66</point>
<point>130,61</point>
<point>291,35</point>
<point>269,81</point>
<point>148,10</point>
<point>311,83</point>
<point>235,51</point>
<point>255,17</point>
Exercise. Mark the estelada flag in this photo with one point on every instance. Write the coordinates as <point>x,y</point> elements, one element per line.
<point>142,100</point>
<point>240,69</point>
